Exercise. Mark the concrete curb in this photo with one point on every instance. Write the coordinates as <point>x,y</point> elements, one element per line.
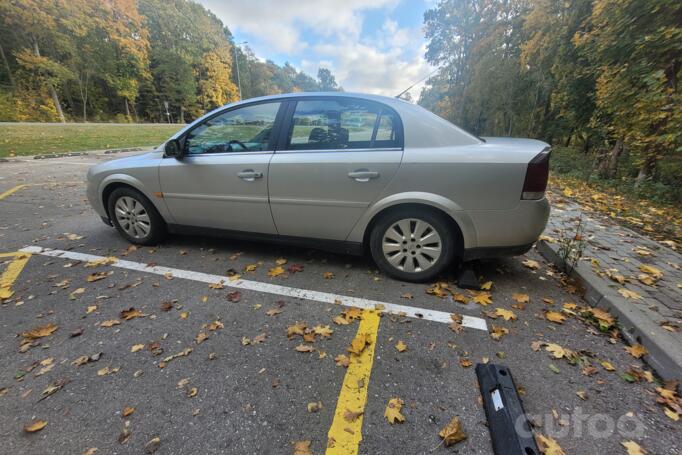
<point>664,352</point>
<point>47,156</point>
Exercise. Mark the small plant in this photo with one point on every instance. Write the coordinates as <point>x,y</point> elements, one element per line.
<point>572,244</point>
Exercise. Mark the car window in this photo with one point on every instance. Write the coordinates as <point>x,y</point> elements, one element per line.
<point>386,131</point>
<point>243,129</point>
<point>339,124</point>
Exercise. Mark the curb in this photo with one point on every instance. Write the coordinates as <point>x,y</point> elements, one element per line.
<point>47,156</point>
<point>664,352</point>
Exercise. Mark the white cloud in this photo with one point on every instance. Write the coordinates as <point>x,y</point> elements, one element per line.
<point>385,61</point>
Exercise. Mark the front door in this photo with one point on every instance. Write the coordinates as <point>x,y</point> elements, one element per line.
<point>222,181</point>
<point>339,154</point>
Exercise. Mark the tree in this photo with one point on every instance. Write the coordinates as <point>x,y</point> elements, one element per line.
<point>326,80</point>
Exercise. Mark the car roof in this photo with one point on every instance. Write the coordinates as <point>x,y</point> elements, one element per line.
<point>421,128</point>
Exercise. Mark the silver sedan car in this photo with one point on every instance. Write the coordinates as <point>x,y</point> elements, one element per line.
<point>340,171</point>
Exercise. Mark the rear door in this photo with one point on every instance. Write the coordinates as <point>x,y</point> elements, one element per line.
<point>335,156</point>
<point>222,181</point>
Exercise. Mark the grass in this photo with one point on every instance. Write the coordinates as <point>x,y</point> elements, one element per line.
<point>18,139</point>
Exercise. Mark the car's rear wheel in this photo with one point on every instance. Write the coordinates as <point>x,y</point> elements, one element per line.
<point>412,245</point>
<point>135,217</point>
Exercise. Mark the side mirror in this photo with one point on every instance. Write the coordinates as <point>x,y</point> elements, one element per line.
<point>173,149</point>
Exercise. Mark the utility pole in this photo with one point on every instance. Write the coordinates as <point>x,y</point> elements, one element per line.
<point>236,62</point>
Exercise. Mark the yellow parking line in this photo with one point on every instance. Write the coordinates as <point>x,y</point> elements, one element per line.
<point>11,191</point>
<point>12,273</point>
<point>345,433</point>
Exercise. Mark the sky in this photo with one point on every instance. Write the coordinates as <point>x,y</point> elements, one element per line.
<point>371,46</point>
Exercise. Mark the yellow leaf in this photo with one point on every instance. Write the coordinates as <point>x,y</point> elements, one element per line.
<point>607,365</point>
<point>131,313</point>
<point>328,275</point>
<point>103,261</point>
<point>487,285</point>
<point>465,363</point>
<point>392,412</point>
<point>646,279</point>
<point>280,261</point>
<point>628,294</point>
<point>452,433</point>
<point>323,331</point>
<point>636,350</point>
<point>555,316</point>
<point>401,347</point>
<point>302,448</point>
<point>531,264</point>
<point>359,342</point>
<point>251,268</point>
<point>304,348</point>
<point>548,446</point>
<point>483,298</point>
<point>40,332</point>
<point>633,448</point>
<point>97,276</point>
<point>496,333</point>
<point>296,329</point>
<point>34,426</point>
<point>128,410</point>
<point>556,350</point>
<point>109,323</point>
<point>276,271</point>
<point>137,347</point>
<point>342,360</point>
<point>90,309</point>
<point>671,414</point>
<point>461,298</point>
<point>651,270</point>
<point>201,337</point>
<point>508,315</point>
<point>521,298</point>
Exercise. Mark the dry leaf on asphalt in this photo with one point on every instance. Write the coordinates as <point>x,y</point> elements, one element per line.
<point>131,313</point>
<point>482,298</point>
<point>34,426</point>
<point>531,264</point>
<point>555,316</point>
<point>633,448</point>
<point>302,448</point>
<point>342,360</point>
<point>328,275</point>
<point>636,350</point>
<point>452,433</point>
<point>521,298</point>
<point>276,271</point>
<point>487,286</point>
<point>40,332</point>
<point>128,410</point>
<point>304,348</point>
<point>314,406</point>
<point>548,446</point>
<point>350,416</point>
<point>496,333</point>
<point>234,296</point>
<point>400,346</point>
<point>508,315</point>
<point>392,412</point>
<point>628,294</point>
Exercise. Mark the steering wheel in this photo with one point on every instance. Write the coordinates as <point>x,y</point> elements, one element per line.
<point>239,143</point>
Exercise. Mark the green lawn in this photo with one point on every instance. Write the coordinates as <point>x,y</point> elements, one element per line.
<point>37,138</point>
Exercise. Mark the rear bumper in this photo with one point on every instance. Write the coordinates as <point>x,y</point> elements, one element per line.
<point>515,228</point>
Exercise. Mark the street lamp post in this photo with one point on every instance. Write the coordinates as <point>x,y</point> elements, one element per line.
<point>236,62</point>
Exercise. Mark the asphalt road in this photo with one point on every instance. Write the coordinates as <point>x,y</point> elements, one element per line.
<point>239,391</point>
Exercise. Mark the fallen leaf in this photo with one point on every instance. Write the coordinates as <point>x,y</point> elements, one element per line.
<point>651,270</point>
<point>40,332</point>
<point>392,412</point>
<point>359,342</point>
<point>304,348</point>
<point>314,406</point>
<point>465,363</point>
<point>496,333</point>
<point>607,366</point>
<point>452,433</point>
<point>636,350</point>
<point>547,445</point>
<point>295,268</point>
<point>103,261</point>
<point>90,451</point>
<point>273,311</point>
<point>628,294</point>
<point>328,275</point>
<point>34,426</point>
<point>508,315</point>
<point>482,298</point>
<point>131,313</point>
<point>251,268</point>
<point>323,331</point>
<point>555,316</point>
<point>487,286</point>
<point>633,448</point>
<point>201,337</point>
<point>582,394</point>
<point>276,271</point>
<point>302,448</point>
<point>350,416</point>
<point>531,264</point>
<point>97,276</point>
<point>152,445</point>
<point>342,360</point>
<point>400,346</point>
<point>234,296</point>
<point>671,414</point>
<point>128,410</point>
<point>521,298</point>
<point>556,350</point>
<point>109,323</point>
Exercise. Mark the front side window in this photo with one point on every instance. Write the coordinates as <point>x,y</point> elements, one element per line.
<point>335,124</point>
<point>246,129</point>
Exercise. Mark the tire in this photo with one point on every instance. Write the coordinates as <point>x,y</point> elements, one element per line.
<point>401,257</point>
<point>141,223</point>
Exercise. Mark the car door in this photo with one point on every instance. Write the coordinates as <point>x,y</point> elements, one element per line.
<point>222,180</point>
<point>335,156</point>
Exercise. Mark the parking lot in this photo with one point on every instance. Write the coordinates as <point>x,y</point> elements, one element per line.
<point>218,346</point>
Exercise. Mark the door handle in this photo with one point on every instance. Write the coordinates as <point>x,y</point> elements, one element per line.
<point>363,175</point>
<point>249,175</point>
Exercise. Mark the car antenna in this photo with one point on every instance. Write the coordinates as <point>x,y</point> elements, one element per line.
<point>420,80</point>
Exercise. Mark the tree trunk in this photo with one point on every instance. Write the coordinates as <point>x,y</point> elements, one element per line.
<point>127,108</point>
<point>53,92</point>
<point>646,170</point>
<point>7,68</point>
<point>83,87</point>
<point>609,165</point>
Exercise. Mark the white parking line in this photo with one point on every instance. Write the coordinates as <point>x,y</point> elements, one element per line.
<point>257,286</point>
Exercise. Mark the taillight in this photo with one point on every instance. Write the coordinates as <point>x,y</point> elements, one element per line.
<point>537,174</point>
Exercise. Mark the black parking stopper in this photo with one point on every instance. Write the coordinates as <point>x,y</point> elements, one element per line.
<point>509,428</point>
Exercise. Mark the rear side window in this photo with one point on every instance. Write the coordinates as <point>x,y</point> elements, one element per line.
<point>337,124</point>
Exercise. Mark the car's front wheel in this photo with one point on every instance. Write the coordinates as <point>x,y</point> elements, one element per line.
<point>412,245</point>
<point>135,217</point>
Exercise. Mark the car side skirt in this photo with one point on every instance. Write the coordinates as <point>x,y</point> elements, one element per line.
<point>336,246</point>
<point>495,252</point>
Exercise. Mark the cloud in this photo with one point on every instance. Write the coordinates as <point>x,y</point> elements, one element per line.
<point>327,34</point>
